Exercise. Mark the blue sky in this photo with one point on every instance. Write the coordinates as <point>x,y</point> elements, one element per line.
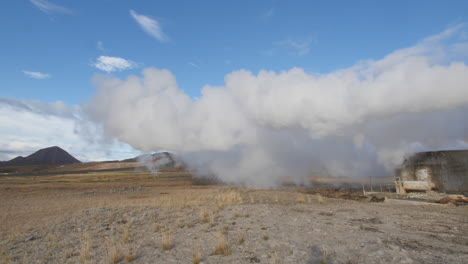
<point>362,83</point>
<point>205,39</point>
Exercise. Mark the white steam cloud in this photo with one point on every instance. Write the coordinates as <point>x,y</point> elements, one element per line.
<point>257,129</point>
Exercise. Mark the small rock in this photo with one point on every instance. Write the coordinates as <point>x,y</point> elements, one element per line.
<point>253,260</point>
<point>31,238</point>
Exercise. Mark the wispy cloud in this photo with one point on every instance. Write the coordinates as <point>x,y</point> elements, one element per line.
<point>100,46</point>
<point>298,47</point>
<point>267,15</point>
<point>150,26</point>
<point>50,8</point>
<point>268,52</point>
<point>110,64</point>
<point>36,75</point>
<point>193,64</point>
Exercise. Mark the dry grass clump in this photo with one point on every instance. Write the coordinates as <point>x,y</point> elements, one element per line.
<point>221,247</point>
<point>196,257</point>
<point>252,200</point>
<point>68,253</point>
<point>230,198</point>
<point>204,215</point>
<point>113,255</point>
<point>166,240</point>
<point>225,230</point>
<point>300,198</point>
<point>240,240</point>
<point>117,251</point>
<point>324,251</point>
<point>190,198</point>
<point>180,224</point>
<point>50,238</point>
<point>320,198</point>
<point>128,254</point>
<point>85,251</point>
<point>126,235</point>
<point>212,220</point>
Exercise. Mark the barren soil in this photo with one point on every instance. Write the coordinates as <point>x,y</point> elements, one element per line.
<point>107,219</point>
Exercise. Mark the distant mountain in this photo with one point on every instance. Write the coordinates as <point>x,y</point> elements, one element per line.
<point>46,156</point>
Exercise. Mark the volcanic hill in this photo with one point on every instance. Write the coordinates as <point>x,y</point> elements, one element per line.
<point>47,156</point>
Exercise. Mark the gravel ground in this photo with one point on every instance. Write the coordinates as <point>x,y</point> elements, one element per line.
<point>261,227</point>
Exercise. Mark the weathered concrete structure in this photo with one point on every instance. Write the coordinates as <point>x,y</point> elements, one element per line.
<point>444,171</point>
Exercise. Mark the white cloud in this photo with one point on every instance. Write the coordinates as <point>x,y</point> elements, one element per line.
<point>37,75</point>
<point>150,26</point>
<point>259,127</point>
<point>49,8</point>
<point>110,64</point>
<point>27,126</point>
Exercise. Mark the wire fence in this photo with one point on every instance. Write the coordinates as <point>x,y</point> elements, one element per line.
<point>379,184</point>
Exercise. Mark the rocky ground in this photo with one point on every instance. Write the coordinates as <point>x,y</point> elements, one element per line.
<point>147,224</point>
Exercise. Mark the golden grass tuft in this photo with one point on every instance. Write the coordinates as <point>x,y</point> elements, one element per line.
<point>320,199</point>
<point>240,240</point>
<point>204,215</point>
<point>68,253</point>
<point>324,251</point>
<point>85,250</point>
<point>222,247</point>
<point>300,198</point>
<point>196,257</point>
<point>113,255</point>
<point>129,254</point>
<point>212,220</point>
<point>166,240</point>
<point>126,235</point>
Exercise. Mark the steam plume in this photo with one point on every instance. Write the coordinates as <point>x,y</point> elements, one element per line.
<point>256,129</point>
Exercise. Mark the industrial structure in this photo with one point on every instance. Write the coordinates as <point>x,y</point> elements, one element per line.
<point>443,171</point>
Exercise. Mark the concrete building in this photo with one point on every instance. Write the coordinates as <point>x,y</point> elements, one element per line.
<point>443,171</point>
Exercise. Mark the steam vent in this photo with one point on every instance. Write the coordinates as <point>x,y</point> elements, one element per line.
<point>443,171</point>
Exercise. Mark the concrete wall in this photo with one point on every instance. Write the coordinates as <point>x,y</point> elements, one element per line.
<point>448,170</point>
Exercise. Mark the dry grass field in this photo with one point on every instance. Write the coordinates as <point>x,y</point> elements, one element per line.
<point>123,217</point>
